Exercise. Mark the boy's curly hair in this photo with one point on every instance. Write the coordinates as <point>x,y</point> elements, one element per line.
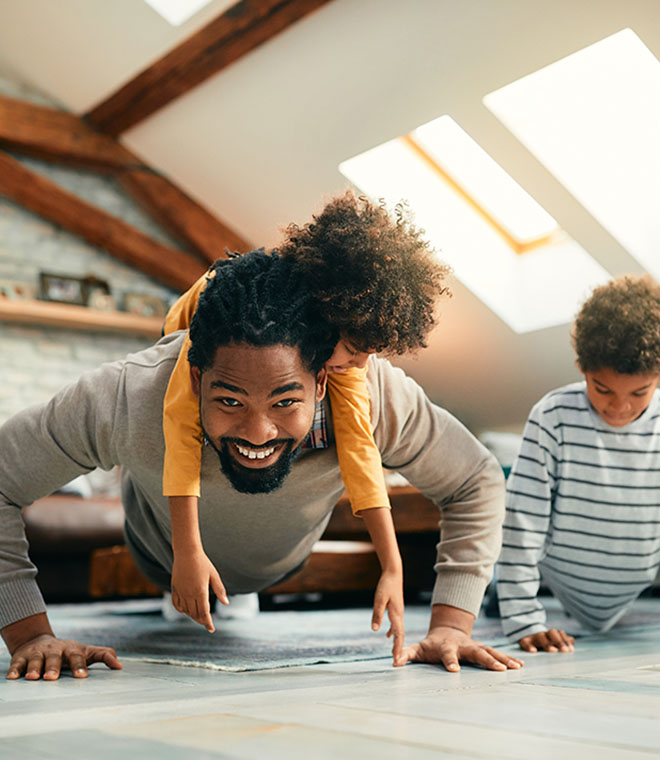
<point>618,327</point>
<point>377,280</point>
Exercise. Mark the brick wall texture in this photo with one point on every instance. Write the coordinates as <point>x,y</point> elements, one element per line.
<point>35,362</point>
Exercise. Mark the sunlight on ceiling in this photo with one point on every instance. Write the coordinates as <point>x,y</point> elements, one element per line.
<point>176,12</point>
<point>593,119</point>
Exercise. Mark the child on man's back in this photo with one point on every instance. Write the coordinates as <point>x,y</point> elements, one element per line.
<point>377,284</point>
<point>583,498</point>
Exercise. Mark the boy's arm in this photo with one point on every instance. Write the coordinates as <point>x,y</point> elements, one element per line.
<point>526,526</point>
<point>358,455</point>
<point>381,530</point>
<point>389,592</point>
<point>182,431</point>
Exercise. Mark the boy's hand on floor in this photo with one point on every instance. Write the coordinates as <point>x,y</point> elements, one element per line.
<point>554,640</point>
<point>192,575</point>
<point>389,596</point>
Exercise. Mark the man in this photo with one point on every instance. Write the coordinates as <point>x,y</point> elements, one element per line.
<point>257,357</point>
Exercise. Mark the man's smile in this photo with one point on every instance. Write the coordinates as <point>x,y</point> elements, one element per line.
<point>256,456</point>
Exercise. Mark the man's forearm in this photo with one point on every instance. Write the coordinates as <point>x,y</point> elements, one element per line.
<point>19,633</point>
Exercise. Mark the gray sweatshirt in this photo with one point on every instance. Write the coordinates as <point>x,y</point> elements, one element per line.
<point>113,416</point>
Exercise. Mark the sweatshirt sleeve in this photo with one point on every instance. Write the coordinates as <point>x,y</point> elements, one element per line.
<point>529,497</point>
<point>438,455</point>
<point>43,448</point>
<point>358,455</point>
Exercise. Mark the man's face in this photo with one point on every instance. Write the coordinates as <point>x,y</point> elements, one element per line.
<point>257,406</point>
<point>618,398</point>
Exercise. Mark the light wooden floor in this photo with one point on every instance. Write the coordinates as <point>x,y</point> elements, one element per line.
<point>600,703</point>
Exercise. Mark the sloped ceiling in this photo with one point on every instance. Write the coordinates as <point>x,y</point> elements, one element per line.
<point>260,142</point>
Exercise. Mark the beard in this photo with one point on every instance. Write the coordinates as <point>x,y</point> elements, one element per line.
<point>250,480</point>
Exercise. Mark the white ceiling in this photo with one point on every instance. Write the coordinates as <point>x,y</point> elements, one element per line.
<point>260,142</point>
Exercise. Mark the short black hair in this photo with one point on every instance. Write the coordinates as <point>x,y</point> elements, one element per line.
<point>376,277</point>
<point>618,327</point>
<point>259,299</point>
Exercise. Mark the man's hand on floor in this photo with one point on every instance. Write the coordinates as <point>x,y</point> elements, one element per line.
<point>36,652</point>
<point>46,656</point>
<point>449,642</point>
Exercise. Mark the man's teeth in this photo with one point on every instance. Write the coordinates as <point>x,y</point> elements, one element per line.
<point>251,454</point>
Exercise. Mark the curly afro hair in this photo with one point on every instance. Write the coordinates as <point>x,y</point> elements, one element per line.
<point>377,280</point>
<point>618,327</point>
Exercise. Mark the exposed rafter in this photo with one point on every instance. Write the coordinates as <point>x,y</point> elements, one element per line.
<point>233,34</point>
<point>61,137</point>
<point>58,136</point>
<point>181,216</point>
<point>43,197</point>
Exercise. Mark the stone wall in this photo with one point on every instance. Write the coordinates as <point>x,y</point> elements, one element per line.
<point>36,361</point>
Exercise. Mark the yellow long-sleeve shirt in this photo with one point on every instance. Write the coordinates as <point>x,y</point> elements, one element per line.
<point>359,458</point>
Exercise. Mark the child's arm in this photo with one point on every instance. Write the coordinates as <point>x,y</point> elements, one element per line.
<point>527,525</point>
<point>389,592</point>
<point>359,458</point>
<point>192,571</point>
<point>362,471</point>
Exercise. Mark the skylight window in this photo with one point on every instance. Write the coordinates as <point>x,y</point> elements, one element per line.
<point>502,199</point>
<point>481,220</point>
<point>179,11</point>
<point>593,119</point>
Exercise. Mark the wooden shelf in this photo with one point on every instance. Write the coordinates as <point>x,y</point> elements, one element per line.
<point>78,318</point>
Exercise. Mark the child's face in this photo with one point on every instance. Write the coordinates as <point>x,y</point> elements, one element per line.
<point>619,398</point>
<point>345,356</point>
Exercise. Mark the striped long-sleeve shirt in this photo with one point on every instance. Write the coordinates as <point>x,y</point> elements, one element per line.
<point>583,514</point>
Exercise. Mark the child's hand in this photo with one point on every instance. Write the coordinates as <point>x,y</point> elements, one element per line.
<point>192,574</point>
<point>554,640</point>
<point>389,595</point>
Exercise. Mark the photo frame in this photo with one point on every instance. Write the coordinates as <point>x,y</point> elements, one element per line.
<point>79,291</point>
<point>98,295</point>
<point>62,288</point>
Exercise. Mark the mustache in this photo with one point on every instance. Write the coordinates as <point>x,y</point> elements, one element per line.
<point>248,445</point>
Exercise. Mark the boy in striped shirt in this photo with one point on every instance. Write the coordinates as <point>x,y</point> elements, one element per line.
<point>583,498</point>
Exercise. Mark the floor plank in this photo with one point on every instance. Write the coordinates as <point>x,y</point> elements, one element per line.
<point>599,703</point>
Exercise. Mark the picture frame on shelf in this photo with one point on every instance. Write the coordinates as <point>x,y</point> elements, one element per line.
<point>98,295</point>
<point>79,291</point>
<point>59,288</point>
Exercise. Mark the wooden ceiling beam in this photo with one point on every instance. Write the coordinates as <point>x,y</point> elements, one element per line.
<point>180,215</point>
<point>55,135</point>
<point>61,137</point>
<point>170,266</point>
<point>233,34</point>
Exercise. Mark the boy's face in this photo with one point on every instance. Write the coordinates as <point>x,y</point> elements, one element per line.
<point>346,356</point>
<point>619,398</point>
